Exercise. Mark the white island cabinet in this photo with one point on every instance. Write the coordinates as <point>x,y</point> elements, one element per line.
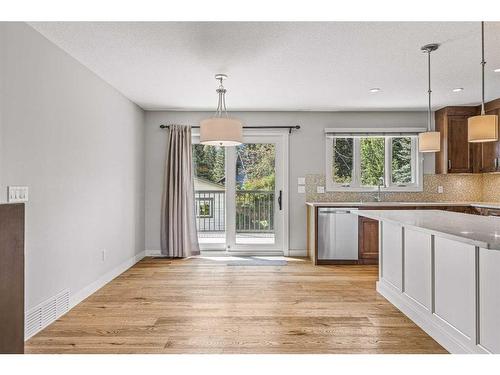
<point>442,269</point>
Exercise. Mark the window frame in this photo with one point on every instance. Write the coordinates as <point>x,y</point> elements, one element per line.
<point>355,185</point>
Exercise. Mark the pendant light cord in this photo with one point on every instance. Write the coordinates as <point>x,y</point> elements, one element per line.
<point>428,48</point>
<point>483,63</point>
<point>429,91</point>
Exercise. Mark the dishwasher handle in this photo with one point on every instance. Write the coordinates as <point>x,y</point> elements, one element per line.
<point>331,211</point>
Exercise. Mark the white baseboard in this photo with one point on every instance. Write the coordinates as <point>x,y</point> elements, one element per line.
<point>297,252</point>
<point>153,253</point>
<point>90,289</point>
<point>444,334</point>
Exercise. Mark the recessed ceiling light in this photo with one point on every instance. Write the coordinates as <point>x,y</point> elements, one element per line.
<point>458,89</point>
<point>497,70</point>
<point>375,89</point>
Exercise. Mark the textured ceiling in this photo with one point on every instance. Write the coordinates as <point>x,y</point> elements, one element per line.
<point>323,66</point>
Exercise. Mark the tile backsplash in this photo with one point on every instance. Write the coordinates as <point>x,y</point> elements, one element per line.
<point>491,187</point>
<point>456,188</point>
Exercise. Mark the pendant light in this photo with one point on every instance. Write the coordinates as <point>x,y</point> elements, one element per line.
<point>429,141</point>
<point>482,128</point>
<point>221,130</point>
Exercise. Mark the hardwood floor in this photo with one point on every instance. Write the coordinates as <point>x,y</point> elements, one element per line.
<point>204,306</point>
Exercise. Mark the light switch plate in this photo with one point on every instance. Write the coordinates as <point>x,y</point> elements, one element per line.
<point>440,190</point>
<point>17,194</point>
<point>301,189</point>
<point>320,189</point>
<point>301,181</point>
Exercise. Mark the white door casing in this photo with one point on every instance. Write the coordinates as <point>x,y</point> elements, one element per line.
<point>281,222</point>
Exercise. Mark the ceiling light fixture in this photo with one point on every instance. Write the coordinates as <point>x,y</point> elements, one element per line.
<point>375,89</point>
<point>429,141</point>
<point>221,130</point>
<point>497,70</point>
<point>482,128</point>
<point>458,89</point>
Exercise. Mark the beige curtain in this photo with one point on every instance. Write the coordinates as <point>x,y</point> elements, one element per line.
<point>178,227</point>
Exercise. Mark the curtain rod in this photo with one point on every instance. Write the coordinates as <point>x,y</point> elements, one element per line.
<point>290,128</point>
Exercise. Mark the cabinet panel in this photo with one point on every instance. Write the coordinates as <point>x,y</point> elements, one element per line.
<point>368,240</point>
<point>454,292</point>
<point>489,300</point>
<point>417,266</point>
<point>457,155</point>
<point>392,254</point>
<point>459,149</point>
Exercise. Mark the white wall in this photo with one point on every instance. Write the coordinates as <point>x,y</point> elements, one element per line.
<point>307,153</point>
<point>78,145</point>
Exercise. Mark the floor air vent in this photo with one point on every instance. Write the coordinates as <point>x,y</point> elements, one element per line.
<point>45,313</point>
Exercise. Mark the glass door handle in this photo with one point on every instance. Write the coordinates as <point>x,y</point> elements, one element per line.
<point>279,200</point>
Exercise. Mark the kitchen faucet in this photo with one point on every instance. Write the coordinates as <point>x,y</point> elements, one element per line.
<point>381,183</point>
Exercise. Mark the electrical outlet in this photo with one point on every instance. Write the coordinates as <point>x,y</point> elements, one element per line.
<point>17,194</point>
<point>301,181</point>
<point>103,255</point>
<point>440,190</point>
<point>320,189</point>
<point>301,189</point>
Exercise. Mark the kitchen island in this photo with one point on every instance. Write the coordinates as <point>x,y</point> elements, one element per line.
<point>441,269</point>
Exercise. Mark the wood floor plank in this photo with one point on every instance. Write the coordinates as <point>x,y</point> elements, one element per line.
<point>200,305</point>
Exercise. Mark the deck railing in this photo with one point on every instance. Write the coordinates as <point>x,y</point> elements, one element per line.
<point>254,211</point>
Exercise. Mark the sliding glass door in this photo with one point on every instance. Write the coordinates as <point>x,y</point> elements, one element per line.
<point>240,195</point>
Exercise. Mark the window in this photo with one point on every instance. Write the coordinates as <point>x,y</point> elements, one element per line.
<point>401,172</point>
<point>342,160</point>
<point>204,207</point>
<point>372,158</point>
<point>361,162</point>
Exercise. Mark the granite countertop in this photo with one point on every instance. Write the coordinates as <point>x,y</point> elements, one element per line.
<point>396,204</point>
<point>482,231</point>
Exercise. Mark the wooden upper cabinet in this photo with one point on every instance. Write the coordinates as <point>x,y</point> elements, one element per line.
<point>489,152</point>
<point>459,149</point>
<point>457,154</point>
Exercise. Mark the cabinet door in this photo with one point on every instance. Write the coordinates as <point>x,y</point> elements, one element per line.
<point>490,152</point>
<point>459,149</point>
<point>368,240</point>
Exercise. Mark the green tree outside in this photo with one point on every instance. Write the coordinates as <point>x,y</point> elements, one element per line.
<point>401,160</point>
<point>372,151</point>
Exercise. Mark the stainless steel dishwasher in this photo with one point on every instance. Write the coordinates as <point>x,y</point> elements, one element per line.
<point>337,234</point>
